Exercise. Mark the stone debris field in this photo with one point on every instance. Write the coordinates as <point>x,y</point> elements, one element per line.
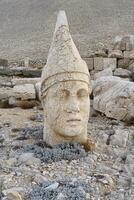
<point>31,170</point>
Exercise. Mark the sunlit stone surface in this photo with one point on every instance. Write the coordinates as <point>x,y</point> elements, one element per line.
<point>65,89</point>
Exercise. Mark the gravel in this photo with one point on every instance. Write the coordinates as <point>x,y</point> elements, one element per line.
<point>71,189</point>
<point>66,151</point>
<point>35,132</point>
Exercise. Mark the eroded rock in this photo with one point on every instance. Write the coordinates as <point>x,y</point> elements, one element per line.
<point>114,97</point>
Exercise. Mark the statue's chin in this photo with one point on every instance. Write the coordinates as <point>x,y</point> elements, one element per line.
<point>70,132</point>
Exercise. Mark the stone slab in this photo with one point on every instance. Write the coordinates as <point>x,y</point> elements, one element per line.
<point>24,92</point>
<point>20,71</point>
<point>114,97</point>
<point>21,81</point>
<point>123,73</point>
<point>103,63</point>
<point>105,72</point>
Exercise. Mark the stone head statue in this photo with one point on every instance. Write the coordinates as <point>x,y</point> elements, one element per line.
<point>65,89</point>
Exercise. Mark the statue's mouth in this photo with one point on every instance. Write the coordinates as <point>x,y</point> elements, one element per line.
<point>73,120</point>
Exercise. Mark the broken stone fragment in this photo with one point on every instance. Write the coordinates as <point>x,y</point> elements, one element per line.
<point>123,73</point>
<point>120,138</point>
<point>115,54</point>
<point>114,97</point>
<point>100,53</point>
<point>105,72</point>
<point>29,159</point>
<point>13,193</point>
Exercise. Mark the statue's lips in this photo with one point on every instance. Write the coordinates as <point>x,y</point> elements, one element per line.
<point>73,120</point>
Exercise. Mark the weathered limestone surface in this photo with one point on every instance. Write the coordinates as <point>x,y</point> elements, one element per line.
<point>131,67</point>
<point>124,63</point>
<point>115,54</point>
<point>114,97</point>
<point>123,73</point>
<point>129,54</point>
<point>20,71</point>
<point>120,138</point>
<point>21,81</point>
<point>5,81</point>
<point>24,92</point>
<point>105,72</point>
<point>65,89</point>
<point>103,63</point>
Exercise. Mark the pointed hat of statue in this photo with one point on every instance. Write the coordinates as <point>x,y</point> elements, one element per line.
<point>64,62</point>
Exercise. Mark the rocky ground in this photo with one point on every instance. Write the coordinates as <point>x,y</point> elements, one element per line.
<point>30,170</point>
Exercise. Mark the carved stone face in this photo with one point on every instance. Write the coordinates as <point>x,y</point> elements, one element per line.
<point>66,108</point>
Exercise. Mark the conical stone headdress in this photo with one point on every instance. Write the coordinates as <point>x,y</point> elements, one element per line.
<point>64,62</point>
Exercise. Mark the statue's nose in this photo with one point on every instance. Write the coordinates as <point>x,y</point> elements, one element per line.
<point>73,105</point>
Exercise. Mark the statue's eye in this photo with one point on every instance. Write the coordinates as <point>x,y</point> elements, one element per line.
<point>82,93</point>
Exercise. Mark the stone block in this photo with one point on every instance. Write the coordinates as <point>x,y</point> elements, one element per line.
<point>24,104</point>
<point>24,92</point>
<point>20,71</point>
<point>21,81</point>
<point>103,63</point>
<point>124,63</point>
<point>29,72</point>
<point>10,71</point>
<point>90,63</point>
